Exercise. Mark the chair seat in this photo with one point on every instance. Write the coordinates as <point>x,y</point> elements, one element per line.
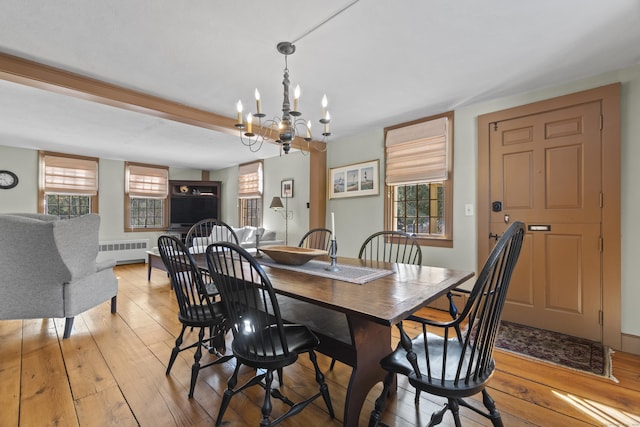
<point>212,289</point>
<point>198,315</point>
<point>299,339</point>
<point>442,377</point>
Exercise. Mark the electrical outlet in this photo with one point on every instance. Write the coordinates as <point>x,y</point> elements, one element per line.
<point>468,209</point>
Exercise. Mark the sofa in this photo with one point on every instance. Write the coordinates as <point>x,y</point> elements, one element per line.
<point>246,237</point>
<point>48,268</point>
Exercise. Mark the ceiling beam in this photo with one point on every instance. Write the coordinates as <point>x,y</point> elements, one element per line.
<point>34,74</point>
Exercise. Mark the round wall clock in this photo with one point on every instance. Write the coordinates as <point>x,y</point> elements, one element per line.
<point>8,180</point>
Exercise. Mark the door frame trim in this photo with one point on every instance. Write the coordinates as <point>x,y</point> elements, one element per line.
<point>609,98</point>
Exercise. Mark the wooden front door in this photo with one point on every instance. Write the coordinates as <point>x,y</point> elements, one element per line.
<point>546,172</point>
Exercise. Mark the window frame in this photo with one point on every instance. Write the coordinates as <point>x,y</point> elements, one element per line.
<point>42,193</point>
<point>128,198</point>
<point>242,207</point>
<point>258,194</point>
<point>445,241</point>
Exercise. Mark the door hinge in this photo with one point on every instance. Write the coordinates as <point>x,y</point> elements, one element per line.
<point>600,317</point>
<point>601,121</point>
<point>600,244</point>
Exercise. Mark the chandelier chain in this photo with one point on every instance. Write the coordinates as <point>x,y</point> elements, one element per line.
<point>325,21</point>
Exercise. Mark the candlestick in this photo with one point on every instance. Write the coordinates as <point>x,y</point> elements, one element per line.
<point>333,226</point>
<point>333,254</point>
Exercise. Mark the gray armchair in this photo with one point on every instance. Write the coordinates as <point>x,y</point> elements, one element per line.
<point>48,268</point>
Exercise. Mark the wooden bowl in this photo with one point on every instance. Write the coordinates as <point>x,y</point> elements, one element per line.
<point>291,255</point>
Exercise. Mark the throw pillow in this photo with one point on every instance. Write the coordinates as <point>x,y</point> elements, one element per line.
<point>268,235</point>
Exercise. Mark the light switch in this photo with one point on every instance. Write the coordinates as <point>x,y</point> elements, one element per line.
<point>468,209</point>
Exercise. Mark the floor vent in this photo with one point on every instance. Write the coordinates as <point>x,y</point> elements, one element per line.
<point>124,251</point>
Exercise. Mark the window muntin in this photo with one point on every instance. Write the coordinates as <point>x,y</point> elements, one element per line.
<point>419,179</point>
<point>250,184</point>
<point>146,212</point>
<point>146,192</point>
<point>419,209</point>
<point>67,206</point>
<point>251,212</point>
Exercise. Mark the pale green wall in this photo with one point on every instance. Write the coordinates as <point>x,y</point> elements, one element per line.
<point>23,197</point>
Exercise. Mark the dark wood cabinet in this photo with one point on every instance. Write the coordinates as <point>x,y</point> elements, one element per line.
<point>192,201</point>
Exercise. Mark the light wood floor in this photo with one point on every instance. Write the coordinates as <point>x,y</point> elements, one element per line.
<point>111,372</point>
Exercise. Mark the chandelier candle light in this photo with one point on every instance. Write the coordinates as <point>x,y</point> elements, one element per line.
<point>287,127</point>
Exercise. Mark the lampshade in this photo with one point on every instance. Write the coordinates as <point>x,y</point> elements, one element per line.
<point>276,203</point>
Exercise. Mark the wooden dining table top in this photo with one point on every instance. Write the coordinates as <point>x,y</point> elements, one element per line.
<point>386,300</point>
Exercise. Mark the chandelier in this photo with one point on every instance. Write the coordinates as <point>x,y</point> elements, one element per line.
<point>284,130</point>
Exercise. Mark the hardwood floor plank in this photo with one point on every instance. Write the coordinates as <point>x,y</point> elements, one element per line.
<point>10,368</point>
<point>87,370</point>
<point>106,405</point>
<point>45,395</point>
<point>570,383</point>
<point>141,376</point>
<point>111,371</point>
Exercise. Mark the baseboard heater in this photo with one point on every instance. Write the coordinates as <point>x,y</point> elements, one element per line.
<point>124,251</point>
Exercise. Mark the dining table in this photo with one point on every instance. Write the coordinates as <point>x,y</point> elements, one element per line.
<point>352,310</point>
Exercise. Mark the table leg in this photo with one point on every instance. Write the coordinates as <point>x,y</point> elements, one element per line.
<point>372,342</point>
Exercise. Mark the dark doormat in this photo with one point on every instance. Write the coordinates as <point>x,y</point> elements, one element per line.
<point>553,347</point>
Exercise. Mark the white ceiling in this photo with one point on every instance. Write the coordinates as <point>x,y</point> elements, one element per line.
<point>379,62</point>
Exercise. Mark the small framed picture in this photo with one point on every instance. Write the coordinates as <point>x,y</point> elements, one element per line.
<point>286,188</point>
<point>360,179</point>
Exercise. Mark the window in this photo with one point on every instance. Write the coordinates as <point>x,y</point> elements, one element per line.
<point>250,194</point>
<point>419,179</point>
<point>68,185</point>
<point>146,191</point>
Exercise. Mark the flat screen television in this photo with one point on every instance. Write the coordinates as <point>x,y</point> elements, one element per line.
<point>186,211</point>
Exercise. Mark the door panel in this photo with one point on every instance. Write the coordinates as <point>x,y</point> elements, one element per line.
<point>546,171</point>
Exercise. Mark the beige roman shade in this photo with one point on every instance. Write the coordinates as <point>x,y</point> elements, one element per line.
<point>147,181</point>
<point>250,180</point>
<point>418,153</point>
<point>70,175</point>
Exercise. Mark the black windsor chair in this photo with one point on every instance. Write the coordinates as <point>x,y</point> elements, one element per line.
<point>202,234</point>
<point>261,339</point>
<point>316,238</point>
<point>450,366</point>
<point>196,308</point>
<point>390,246</point>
